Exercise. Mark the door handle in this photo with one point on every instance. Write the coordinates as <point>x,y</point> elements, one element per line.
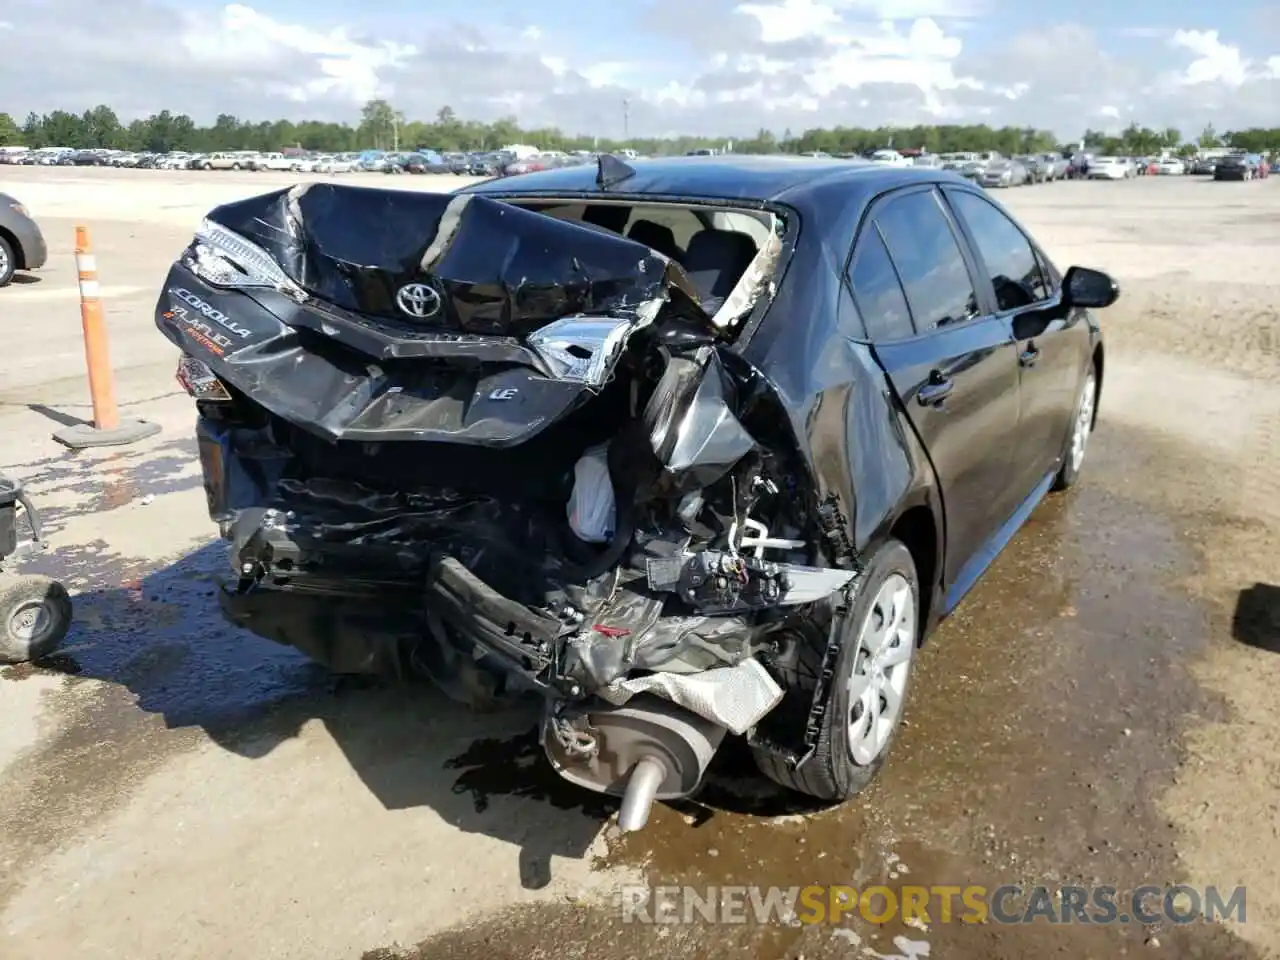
<point>1029,356</point>
<point>935,391</point>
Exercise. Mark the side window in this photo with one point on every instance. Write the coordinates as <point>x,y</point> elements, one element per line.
<point>1016,272</point>
<point>928,257</point>
<point>1052,278</point>
<point>876,289</point>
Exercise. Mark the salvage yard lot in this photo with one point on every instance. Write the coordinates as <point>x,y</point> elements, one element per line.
<point>1100,709</point>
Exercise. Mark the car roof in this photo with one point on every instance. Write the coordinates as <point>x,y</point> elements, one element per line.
<point>760,178</point>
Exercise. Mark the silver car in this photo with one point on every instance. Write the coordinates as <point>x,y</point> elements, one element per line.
<point>1004,173</point>
<point>1056,164</point>
<point>1037,170</point>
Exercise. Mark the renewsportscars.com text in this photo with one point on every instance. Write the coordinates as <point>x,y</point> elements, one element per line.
<point>1007,904</point>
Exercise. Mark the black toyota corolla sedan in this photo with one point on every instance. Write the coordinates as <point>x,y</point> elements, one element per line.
<point>692,448</point>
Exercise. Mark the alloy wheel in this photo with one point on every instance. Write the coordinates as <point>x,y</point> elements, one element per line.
<point>1084,422</point>
<point>876,688</point>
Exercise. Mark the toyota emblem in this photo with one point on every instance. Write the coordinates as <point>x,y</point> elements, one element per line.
<point>418,300</point>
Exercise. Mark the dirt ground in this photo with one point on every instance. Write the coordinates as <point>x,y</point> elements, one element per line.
<point>1101,710</point>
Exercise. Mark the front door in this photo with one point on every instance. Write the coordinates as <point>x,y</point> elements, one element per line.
<point>1052,340</point>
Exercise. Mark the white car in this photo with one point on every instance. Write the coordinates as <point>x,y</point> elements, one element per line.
<point>1171,166</point>
<point>276,161</point>
<point>1110,168</point>
<point>333,165</point>
<point>891,157</point>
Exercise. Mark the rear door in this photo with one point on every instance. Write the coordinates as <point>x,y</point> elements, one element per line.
<point>952,365</point>
<point>1052,341</point>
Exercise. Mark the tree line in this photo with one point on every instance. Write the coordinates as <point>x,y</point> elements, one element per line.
<point>381,126</point>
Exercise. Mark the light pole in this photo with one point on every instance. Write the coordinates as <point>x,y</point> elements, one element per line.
<point>626,119</point>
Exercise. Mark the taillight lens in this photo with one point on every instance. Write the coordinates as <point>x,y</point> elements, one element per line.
<point>199,381</point>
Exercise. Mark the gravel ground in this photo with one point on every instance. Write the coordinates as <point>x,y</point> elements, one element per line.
<point>1100,709</point>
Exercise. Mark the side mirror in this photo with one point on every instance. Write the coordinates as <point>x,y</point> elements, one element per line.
<point>1086,287</point>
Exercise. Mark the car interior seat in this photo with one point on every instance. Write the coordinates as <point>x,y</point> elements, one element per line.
<point>656,237</point>
<point>715,261</point>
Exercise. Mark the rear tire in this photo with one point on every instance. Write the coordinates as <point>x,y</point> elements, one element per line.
<point>8,262</point>
<point>35,614</point>
<point>845,762</point>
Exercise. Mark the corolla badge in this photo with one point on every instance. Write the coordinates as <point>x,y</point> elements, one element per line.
<point>418,300</point>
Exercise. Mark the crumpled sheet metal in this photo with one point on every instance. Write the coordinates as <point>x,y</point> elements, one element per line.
<point>501,270</point>
<point>735,697</point>
<point>754,282</point>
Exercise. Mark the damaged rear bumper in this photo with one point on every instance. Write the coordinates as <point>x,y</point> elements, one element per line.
<point>369,582</point>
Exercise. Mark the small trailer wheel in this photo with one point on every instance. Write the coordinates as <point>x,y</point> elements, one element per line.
<point>35,614</point>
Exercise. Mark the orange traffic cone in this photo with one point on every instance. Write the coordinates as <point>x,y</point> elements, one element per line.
<point>106,430</point>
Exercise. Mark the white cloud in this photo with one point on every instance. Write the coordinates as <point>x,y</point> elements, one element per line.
<point>346,68</point>
<point>915,9</point>
<point>817,45</point>
<point>1215,62</point>
<point>791,19</point>
<point>715,66</point>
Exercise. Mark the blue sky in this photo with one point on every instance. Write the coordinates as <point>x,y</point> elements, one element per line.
<point>722,66</point>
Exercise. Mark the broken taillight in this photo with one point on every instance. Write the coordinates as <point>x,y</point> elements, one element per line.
<point>199,381</point>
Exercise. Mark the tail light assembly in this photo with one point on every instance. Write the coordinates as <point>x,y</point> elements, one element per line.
<point>199,381</point>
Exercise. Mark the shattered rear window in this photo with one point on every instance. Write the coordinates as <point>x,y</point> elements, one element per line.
<point>681,221</point>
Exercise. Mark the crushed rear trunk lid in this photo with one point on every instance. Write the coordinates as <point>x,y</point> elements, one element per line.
<point>394,315</point>
<point>492,268</point>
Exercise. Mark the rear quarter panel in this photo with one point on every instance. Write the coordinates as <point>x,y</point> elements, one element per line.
<point>846,421</point>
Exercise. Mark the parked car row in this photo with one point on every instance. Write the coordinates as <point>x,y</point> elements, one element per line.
<point>1125,168</point>
<point>1233,166</point>
<point>993,170</point>
<point>185,160</point>
<point>988,169</point>
<point>418,161</point>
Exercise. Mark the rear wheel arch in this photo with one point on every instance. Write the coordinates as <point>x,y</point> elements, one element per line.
<point>918,531</point>
<point>19,255</point>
